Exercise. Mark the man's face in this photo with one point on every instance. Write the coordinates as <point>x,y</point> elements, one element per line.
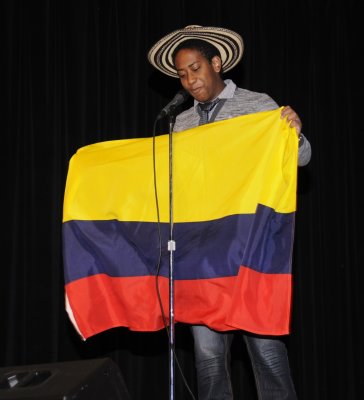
<point>198,77</point>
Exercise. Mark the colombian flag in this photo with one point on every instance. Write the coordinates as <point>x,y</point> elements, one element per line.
<point>234,202</point>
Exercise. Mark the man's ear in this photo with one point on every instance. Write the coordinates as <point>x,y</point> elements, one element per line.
<point>216,63</point>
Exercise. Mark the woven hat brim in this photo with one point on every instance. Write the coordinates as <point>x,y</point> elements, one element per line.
<point>229,43</point>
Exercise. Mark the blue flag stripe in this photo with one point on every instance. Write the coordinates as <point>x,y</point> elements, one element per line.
<point>211,249</point>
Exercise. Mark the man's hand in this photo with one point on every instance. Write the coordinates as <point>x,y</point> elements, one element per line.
<point>292,118</point>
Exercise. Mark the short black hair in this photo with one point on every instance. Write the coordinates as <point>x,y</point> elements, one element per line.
<point>208,50</point>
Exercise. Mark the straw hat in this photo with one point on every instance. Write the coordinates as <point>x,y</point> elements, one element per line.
<point>229,43</point>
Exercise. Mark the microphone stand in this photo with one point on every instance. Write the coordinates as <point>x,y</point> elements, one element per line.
<point>171,249</point>
<point>169,110</point>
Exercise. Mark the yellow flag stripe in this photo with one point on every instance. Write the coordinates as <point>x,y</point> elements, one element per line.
<point>219,169</point>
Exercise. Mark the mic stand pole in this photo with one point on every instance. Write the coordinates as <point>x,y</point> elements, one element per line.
<point>171,249</point>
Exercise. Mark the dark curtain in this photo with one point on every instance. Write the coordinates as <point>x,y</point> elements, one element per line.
<point>75,72</point>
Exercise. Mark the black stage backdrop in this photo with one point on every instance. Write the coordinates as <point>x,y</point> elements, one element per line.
<point>75,73</point>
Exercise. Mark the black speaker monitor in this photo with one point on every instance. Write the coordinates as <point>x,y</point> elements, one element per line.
<point>96,379</point>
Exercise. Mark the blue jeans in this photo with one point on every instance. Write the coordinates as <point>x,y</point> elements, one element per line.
<point>268,357</point>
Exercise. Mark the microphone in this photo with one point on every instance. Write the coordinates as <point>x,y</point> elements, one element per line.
<point>177,100</point>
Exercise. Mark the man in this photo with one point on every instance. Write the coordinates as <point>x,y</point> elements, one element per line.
<point>198,56</point>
